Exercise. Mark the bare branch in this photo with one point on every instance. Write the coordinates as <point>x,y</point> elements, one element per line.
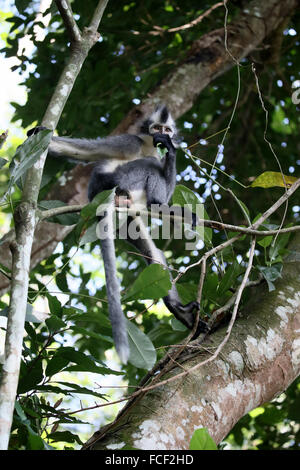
<point>205,222</point>
<point>60,210</point>
<point>94,24</point>
<point>66,13</point>
<point>191,24</point>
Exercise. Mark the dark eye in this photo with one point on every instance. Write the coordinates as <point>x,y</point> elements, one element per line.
<point>156,127</point>
<point>168,129</point>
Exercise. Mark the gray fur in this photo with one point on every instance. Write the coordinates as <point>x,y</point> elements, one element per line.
<point>116,315</point>
<point>123,147</point>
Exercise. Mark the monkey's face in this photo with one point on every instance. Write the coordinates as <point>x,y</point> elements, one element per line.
<point>159,128</point>
<point>161,122</point>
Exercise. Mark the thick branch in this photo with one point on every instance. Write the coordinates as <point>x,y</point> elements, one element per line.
<point>260,360</point>
<point>208,58</point>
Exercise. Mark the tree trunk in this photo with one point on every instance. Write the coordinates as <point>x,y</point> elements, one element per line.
<point>205,60</point>
<point>259,362</point>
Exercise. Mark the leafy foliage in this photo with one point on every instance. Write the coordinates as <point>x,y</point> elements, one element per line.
<point>272,426</point>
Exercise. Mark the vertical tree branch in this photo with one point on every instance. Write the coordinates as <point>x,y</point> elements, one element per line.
<point>26,216</point>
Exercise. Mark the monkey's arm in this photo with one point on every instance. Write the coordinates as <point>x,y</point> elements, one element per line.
<point>122,147</point>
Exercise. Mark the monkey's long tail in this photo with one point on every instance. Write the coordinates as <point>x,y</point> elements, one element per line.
<point>116,314</point>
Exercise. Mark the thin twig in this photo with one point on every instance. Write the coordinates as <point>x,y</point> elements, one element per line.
<point>268,142</point>
<point>254,226</point>
<point>195,21</point>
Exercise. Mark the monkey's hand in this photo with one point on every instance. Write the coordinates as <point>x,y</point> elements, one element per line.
<point>164,140</point>
<point>122,198</point>
<point>35,130</point>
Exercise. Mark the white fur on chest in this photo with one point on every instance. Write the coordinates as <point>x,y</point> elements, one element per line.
<point>147,149</point>
<point>138,197</point>
<point>111,165</point>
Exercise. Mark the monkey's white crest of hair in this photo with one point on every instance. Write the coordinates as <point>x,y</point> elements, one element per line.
<point>162,115</point>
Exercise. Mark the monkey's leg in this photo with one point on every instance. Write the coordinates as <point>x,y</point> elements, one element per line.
<point>184,313</point>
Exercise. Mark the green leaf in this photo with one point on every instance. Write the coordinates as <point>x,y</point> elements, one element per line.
<point>201,440</point>
<point>271,273</point>
<point>31,375</point>
<point>74,388</point>
<point>54,305</point>
<point>210,285</point>
<point>269,179</point>
<point>65,436</point>
<point>183,195</point>
<point>142,351</point>
<point>57,363</point>
<point>20,412</point>
<point>105,197</point>
<point>177,325</point>
<point>187,292</point>
<point>54,323</point>
<point>153,283</point>
<point>266,241</point>
<point>89,235</point>
<point>278,248</point>
<point>64,356</point>
<point>61,281</point>
<point>35,442</point>
<point>161,151</point>
<point>21,5</point>
<point>92,334</point>
<point>27,154</point>
<point>229,278</point>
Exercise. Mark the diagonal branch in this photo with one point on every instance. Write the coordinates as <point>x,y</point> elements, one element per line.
<point>26,218</point>
<point>66,13</point>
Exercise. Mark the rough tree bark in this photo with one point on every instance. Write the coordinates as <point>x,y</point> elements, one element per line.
<point>206,60</point>
<point>260,360</point>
